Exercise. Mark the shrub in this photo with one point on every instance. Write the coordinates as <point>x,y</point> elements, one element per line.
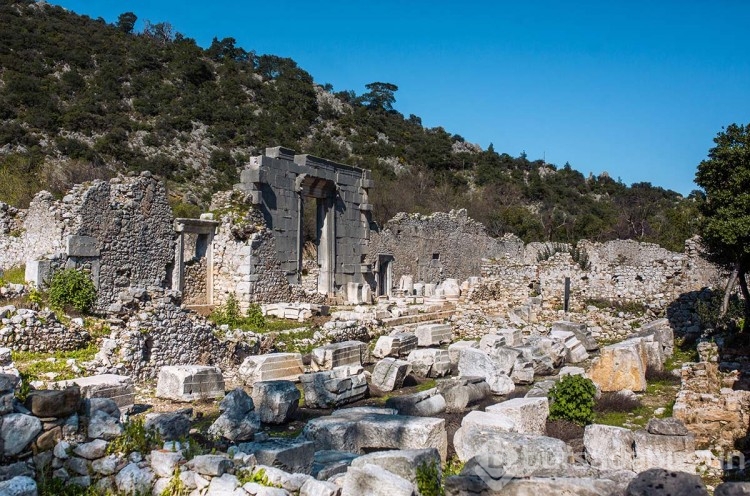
<point>71,287</point>
<point>135,437</point>
<point>573,399</point>
<point>428,479</point>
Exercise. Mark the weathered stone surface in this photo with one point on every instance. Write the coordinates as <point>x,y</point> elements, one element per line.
<point>104,426</point>
<point>659,482</point>
<point>608,447</point>
<point>358,432</point>
<point>523,371</point>
<point>552,348</point>
<point>403,463</point>
<point>473,362</point>
<point>675,453</point>
<point>19,486</point>
<point>271,367</point>
<point>463,391</point>
<point>574,350</point>
<point>433,334</point>
<point>93,450</point>
<point>190,383</point>
<point>454,349</point>
<point>290,455</point>
<point>375,481</point>
<point>276,401</point>
<point>541,361</point>
<point>662,332</point>
<point>396,345</point>
<point>667,427</point>
<point>481,481</point>
<point>620,366</point>
<point>238,420</point>
<point>421,404</point>
<point>319,488</point>
<point>17,431</point>
<point>335,387</point>
<point>338,355</point>
<point>540,389</point>
<point>164,462</point>
<point>581,332</point>
<point>528,414</point>
<point>171,426</point>
<point>134,480</point>
<point>213,465</point>
<point>327,463</point>
<point>733,489</point>
<point>8,382</point>
<point>118,388</point>
<point>520,454</point>
<point>430,362</point>
<point>487,421</point>
<point>54,403</point>
<point>389,374</point>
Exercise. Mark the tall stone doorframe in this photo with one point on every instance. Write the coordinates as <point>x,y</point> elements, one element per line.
<point>280,183</point>
<point>384,274</point>
<point>193,260</point>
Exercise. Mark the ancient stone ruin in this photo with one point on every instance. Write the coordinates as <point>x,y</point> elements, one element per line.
<point>419,352</point>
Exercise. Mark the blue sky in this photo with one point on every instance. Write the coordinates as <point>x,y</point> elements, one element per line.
<point>635,88</point>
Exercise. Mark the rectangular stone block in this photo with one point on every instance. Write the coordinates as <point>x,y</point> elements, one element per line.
<point>334,387</point>
<point>82,246</point>
<point>37,272</point>
<point>399,344</point>
<point>338,354</point>
<point>118,388</point>
<point>189,383</point>
<point>433,334</point>
<point>271,367</point>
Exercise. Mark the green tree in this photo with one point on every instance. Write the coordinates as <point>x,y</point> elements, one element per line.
<point>380,96</point>
<point>725,222</point>
<point>126,21</point>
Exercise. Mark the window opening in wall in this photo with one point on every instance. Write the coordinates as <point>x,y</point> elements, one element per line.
<point>436,256</point>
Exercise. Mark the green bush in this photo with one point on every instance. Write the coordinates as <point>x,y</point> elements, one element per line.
<point>71,287</point>
<point>573,399</point>
<point>429,479</point>
<point>135,437</point>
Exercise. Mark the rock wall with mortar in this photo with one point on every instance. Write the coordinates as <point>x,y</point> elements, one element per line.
<point>439,246</point>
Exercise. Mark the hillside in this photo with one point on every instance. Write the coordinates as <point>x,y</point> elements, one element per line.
<point>82,99</point>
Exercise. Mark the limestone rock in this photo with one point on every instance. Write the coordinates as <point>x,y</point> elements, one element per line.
<point>389,374</point>
<point>528,414</point>
<point>430,362</point>
<point>189,383</point>
<point>375,481</point>
<point>17,432</point>
<point>171,426</point>
<point>334,387</point>
<point>134,480</point>
<point>19,486</point>
<point>433,334</point>
<point>609,447</point>
<point>733,489</point>
<point>54,403</point>
<point>164,462</point>
<point>581,332</point>
<point>338,355</point>
<point>290,455</point>
<point>276,401</point>
<point>463,391</point>
<point>270,367</point>
<point>212,465</point>
<point>454,349</point>
<point>519,454</point>
<point>421,404</point>
<point>667,427</point>
<point>659,482</point>
<point>238,420</point>
<point>676,453</point>
<point>476,363</point>
<point>403,463</point>
<point>396,345</point>
<point>620,366</point>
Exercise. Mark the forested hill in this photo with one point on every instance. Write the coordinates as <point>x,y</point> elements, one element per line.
<point>82,99</point>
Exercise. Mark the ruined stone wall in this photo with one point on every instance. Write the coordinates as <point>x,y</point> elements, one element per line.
<point>244,255</point>
<point>195,292</point>
<point>617,270</point>
<point>435,247</point>
<point>28,330</point>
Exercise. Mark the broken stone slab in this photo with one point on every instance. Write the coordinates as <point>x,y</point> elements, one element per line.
<point>487,421</point>
<point>291,455</point>
<point>581,332</point>
<point>491,341</point>
<point>327,463</point>
<point>662,332</point>
<point>189,383</point>
<point>667,427</point>
<point>335,387</point>
<point>430,362</point>
<point>660,482</point>
<point>540,389</point>
<point>675,453</point>
<point>528,414</point>
<point>404,463</point>
<point>433,334</point>
<point>170,426</point>
<point>621,366</point>
<point>523,371</point>
<point>476,363</point>
<point>513,337</point>
<point>454,349</point>
<point>463,391</point>
<point>422,404</point>
<point>118,388</point>
<point>554,349</point>
<point>18,431</point>
<point>276,401</point>
<point>609,447</point>
<point>361,432</point>
<point>575,352</point>
<point>389,374</point>
<point>654,353</point>
<point>541,362</point>
<point>238,420</point>
<point>520,454</point>
<point>338,355</point>
<point>375,481</point>
<point>271,367</point>
<point>397,345</point>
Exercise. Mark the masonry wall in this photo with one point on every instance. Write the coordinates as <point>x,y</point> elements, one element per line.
<point>435,247</point>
